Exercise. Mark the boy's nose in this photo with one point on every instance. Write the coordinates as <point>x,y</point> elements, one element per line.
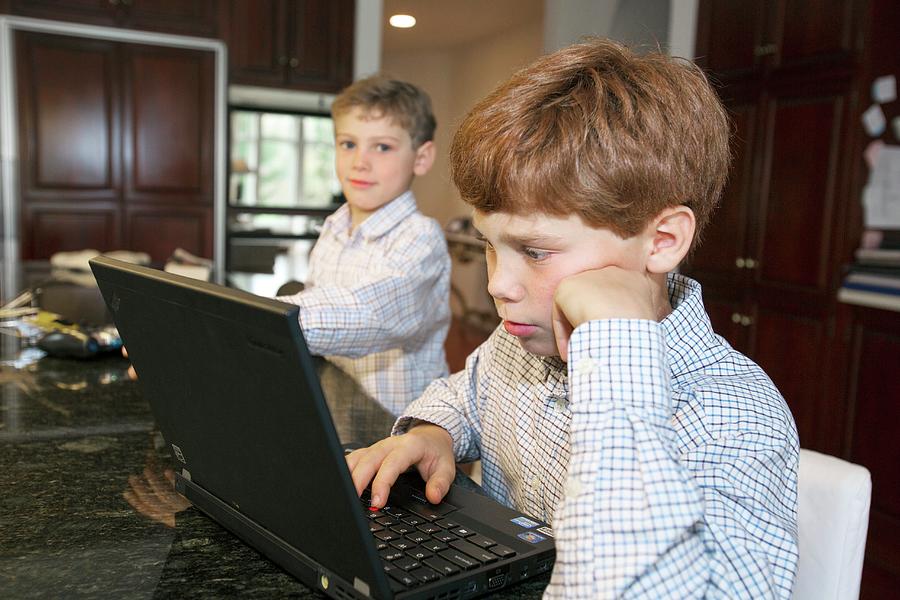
<point>360,161</point>
<point>502,285</point>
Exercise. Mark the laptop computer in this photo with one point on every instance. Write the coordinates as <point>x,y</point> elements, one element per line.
<point>236,396</point>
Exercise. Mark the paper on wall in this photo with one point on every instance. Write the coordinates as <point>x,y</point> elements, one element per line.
<point>881,196</point>
<point>874,121</point>
<point>884,89</point>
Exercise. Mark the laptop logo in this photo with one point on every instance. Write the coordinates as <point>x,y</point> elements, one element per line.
<point>178,453</point>
<point>531,537</point>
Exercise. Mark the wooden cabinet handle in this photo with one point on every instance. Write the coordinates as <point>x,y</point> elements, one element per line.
<point>282,60</point>
<point>765,50</point>
<point>294,63</point>
<point>739,319</point>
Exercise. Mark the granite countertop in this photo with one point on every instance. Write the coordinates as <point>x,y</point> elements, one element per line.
<point>87,508</point>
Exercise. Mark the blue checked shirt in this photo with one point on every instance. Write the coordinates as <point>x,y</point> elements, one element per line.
<point>665,460</point>
<point>377,300</point>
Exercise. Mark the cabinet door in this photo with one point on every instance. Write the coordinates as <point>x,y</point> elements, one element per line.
<point>321,44</point>
<point>197,17</point>
<point>724,242</point>
<point>68,97</point>
<point>874,401</point>
<point>167,143</point>
<point>96,12</point>
<point>730,34</point>
<point>194,17</point>
<point>814,31</point>
<point>256,34</point>
<point>793,349</point>
<point>802,161</point>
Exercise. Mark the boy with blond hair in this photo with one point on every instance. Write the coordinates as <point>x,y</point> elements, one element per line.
<point>665,460</point>
<point>377,299</point>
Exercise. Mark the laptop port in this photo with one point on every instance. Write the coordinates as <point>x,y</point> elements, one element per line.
<point>497,581</point>
<point>544,565</point>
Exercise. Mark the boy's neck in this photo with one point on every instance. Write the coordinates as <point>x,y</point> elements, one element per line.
<point>359,216</point>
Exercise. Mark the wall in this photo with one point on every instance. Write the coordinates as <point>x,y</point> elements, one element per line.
<point>635,22</point>
<point>456,79</point>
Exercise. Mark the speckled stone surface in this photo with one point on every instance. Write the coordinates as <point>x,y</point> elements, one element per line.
<point>86,509</point>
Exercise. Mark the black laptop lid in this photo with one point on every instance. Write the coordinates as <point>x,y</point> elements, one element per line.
<point>235,395</point>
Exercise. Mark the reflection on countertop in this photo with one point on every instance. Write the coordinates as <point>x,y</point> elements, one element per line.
<point>87,505</point>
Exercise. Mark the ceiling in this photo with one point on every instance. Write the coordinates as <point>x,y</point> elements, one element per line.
<point>442,24</point>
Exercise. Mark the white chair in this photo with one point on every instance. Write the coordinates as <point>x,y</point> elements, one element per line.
<point>833,515</point>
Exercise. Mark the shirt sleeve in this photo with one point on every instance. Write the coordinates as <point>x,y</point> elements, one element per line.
<point>451,402</point>
<point>635,522</point>
<point>380,313</point>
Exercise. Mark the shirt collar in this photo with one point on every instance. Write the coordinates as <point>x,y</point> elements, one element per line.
<point>388,216</point>
<point>379,223</point>
<point>691,341</point>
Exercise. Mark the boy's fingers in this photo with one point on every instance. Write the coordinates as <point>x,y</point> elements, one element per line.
<point>367,462</point>
<point>562,330</point>
<point>438,484</point>
<point>391,468</point>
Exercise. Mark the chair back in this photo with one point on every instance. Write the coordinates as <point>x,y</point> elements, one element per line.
<point>833,518</point>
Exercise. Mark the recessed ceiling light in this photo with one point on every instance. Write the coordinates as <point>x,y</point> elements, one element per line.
<point>402,21</point>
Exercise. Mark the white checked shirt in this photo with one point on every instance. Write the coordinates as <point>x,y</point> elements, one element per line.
<point>377,300</point>
<point>665,460</point>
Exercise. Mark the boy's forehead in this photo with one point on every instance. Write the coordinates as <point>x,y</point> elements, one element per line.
<point>532,225</point>
<point>373,117</point>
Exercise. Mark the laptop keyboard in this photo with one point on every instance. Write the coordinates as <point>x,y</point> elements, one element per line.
<point>420,542</point>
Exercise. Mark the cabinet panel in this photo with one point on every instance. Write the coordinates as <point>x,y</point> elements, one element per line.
<point>195,17</point>
<point>303,44</point>
<point>168,131</point>
<point>159,231</point>
<point>797,199</point>
<point>321,44</point>
<point>67,114</point>
<point>875,401</point>
<point>791,349</point>
<point>47,230</point>
<point>724,239</point>
<point>815,30</point>
<point>729,32</point>
<point>257,47</point>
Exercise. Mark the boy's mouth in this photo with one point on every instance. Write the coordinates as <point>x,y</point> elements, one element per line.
<point>519,329</point>
<point>359,183</point>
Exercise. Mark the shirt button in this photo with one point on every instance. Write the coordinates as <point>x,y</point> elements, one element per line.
<point>560,403</point>
<point>587,366</point>
<point>535,483</point>
<point>573,487</point>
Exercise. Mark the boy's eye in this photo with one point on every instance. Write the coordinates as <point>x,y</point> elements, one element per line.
<point>383,147</point>
<point>347,145</point>
<point>535,254</point>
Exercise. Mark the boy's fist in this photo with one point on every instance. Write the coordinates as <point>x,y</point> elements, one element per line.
<point>607,293</point>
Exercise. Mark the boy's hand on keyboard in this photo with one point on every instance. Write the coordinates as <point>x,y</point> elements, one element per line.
<point>427,447</point>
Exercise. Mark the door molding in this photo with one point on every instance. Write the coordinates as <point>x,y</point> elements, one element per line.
<point>10,276</point>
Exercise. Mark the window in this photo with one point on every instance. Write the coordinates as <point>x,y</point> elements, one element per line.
<point>282,160</point>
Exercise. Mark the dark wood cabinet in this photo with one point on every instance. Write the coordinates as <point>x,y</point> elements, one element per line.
<point>302,44</point>
<point>796,76</point>
<point>737,39</point>
<point>189,17</point>
<point>116,143</point>
<point>870,422</point>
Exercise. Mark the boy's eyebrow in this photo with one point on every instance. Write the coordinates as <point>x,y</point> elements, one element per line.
<point>529,239</point>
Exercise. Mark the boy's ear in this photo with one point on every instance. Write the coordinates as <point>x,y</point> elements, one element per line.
<point>670,235</point>
<point>424,158</point>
